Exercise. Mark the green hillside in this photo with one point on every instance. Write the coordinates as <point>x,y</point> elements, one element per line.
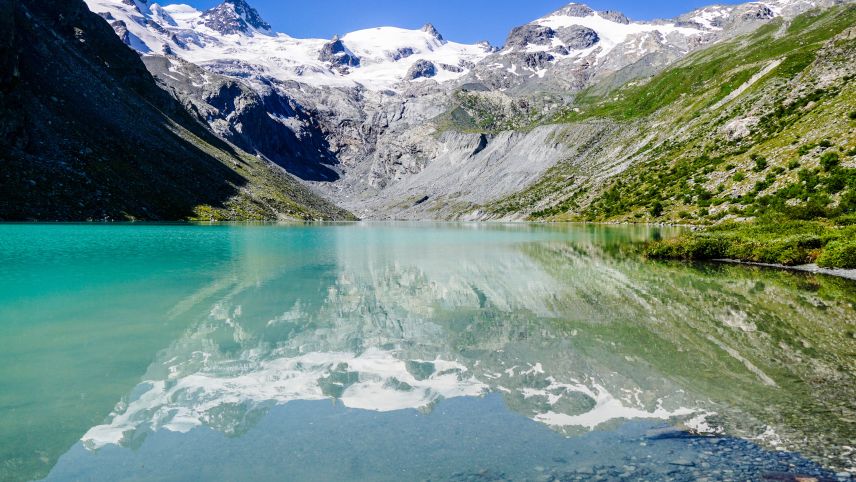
<point>788,86</point>
<point>759,129</point>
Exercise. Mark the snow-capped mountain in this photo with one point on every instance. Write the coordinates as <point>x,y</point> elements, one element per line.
<point>378,117</point>
<point>574,44</point>
<point>575,41</point>
<point>234,32</point>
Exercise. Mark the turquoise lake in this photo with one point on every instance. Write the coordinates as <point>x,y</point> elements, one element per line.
<point>412,352</point>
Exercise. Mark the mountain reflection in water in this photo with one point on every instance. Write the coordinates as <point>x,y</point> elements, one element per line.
<point>558,326</point>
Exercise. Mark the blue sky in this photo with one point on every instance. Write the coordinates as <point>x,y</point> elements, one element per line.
<point>459,20</point>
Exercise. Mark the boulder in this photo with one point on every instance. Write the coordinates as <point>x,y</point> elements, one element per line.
<point>421,69</point>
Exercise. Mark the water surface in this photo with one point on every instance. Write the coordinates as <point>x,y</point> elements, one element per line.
<point>412,352</point>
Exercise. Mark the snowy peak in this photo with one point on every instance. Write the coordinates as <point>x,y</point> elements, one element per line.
<point>392,43</point>
<point>432,31</point>
<point>575,10</point>
<point>577,28</point>
<point>579,10</point>
<point>234,40</point>
<point>709,18</point>
<point>234,17</point>
<point>573,44</point>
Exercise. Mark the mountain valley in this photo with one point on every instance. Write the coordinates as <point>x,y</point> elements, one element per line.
<point>576,117</point>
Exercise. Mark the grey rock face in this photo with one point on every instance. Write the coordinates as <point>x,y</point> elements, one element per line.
<point>466,170</point>
<point>689,24</point>
<point>155,26</point>
<point>132,3</point>
<point>259,120</point>
<point>178,41</point>
<point>430,29</point>
<point>530,34</point>
<point>615,16</point>
<point>421,69</point>
<point>484,44</point>
<point>337,54</point>
<point>537,60</point>
<point>401,53</point>
<point>577,37</point>
<point>575,10</point>
<point>756,12</point>
<point>233,17</point>
<point>451,68</point>
<point>121,29</point>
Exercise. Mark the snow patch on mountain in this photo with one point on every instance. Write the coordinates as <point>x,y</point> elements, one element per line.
<point>233,33</point>
<point>611,32</point>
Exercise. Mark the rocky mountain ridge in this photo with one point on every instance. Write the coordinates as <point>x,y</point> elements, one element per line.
<point>396,123</point>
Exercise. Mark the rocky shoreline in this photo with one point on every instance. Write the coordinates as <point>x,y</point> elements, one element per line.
<point>806,268</point>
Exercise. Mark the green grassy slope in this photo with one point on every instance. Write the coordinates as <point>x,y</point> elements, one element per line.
<point>764,123</point>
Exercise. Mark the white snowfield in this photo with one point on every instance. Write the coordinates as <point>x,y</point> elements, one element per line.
<point>386,54</point>
<point>612,33</point>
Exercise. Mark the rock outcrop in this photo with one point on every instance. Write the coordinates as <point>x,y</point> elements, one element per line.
<point>335,53</point>
<point>88,134</point>
<point>234,17</point>
<point>422,69</point>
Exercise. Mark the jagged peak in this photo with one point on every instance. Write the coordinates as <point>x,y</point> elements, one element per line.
<point>235,16</point>
<point>432,30</point>
<point>574,9</point>
<point>582,10</point>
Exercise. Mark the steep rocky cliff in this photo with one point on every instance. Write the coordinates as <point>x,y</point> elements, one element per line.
<point>87,134</point>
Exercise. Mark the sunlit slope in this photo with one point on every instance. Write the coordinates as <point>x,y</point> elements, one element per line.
<point>765,121</point>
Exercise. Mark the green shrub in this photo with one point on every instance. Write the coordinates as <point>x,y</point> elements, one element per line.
<point>706,247</point>
<point>739,176</point>
<point>769,240</point>
<point>847,220</point>
<point>852,115</point>
<point>795,164</point>
<point>656,209</point>
<point>760,164</point>
<point>839,254</point>
<point>826,144</point>
<point>829,160</point>
<point>805,149</point>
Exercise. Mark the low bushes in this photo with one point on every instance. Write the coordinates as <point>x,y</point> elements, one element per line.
<point>784,242</point>
<point>839,254</point>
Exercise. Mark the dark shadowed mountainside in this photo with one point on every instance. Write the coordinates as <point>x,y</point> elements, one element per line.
<point>85,133</point>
